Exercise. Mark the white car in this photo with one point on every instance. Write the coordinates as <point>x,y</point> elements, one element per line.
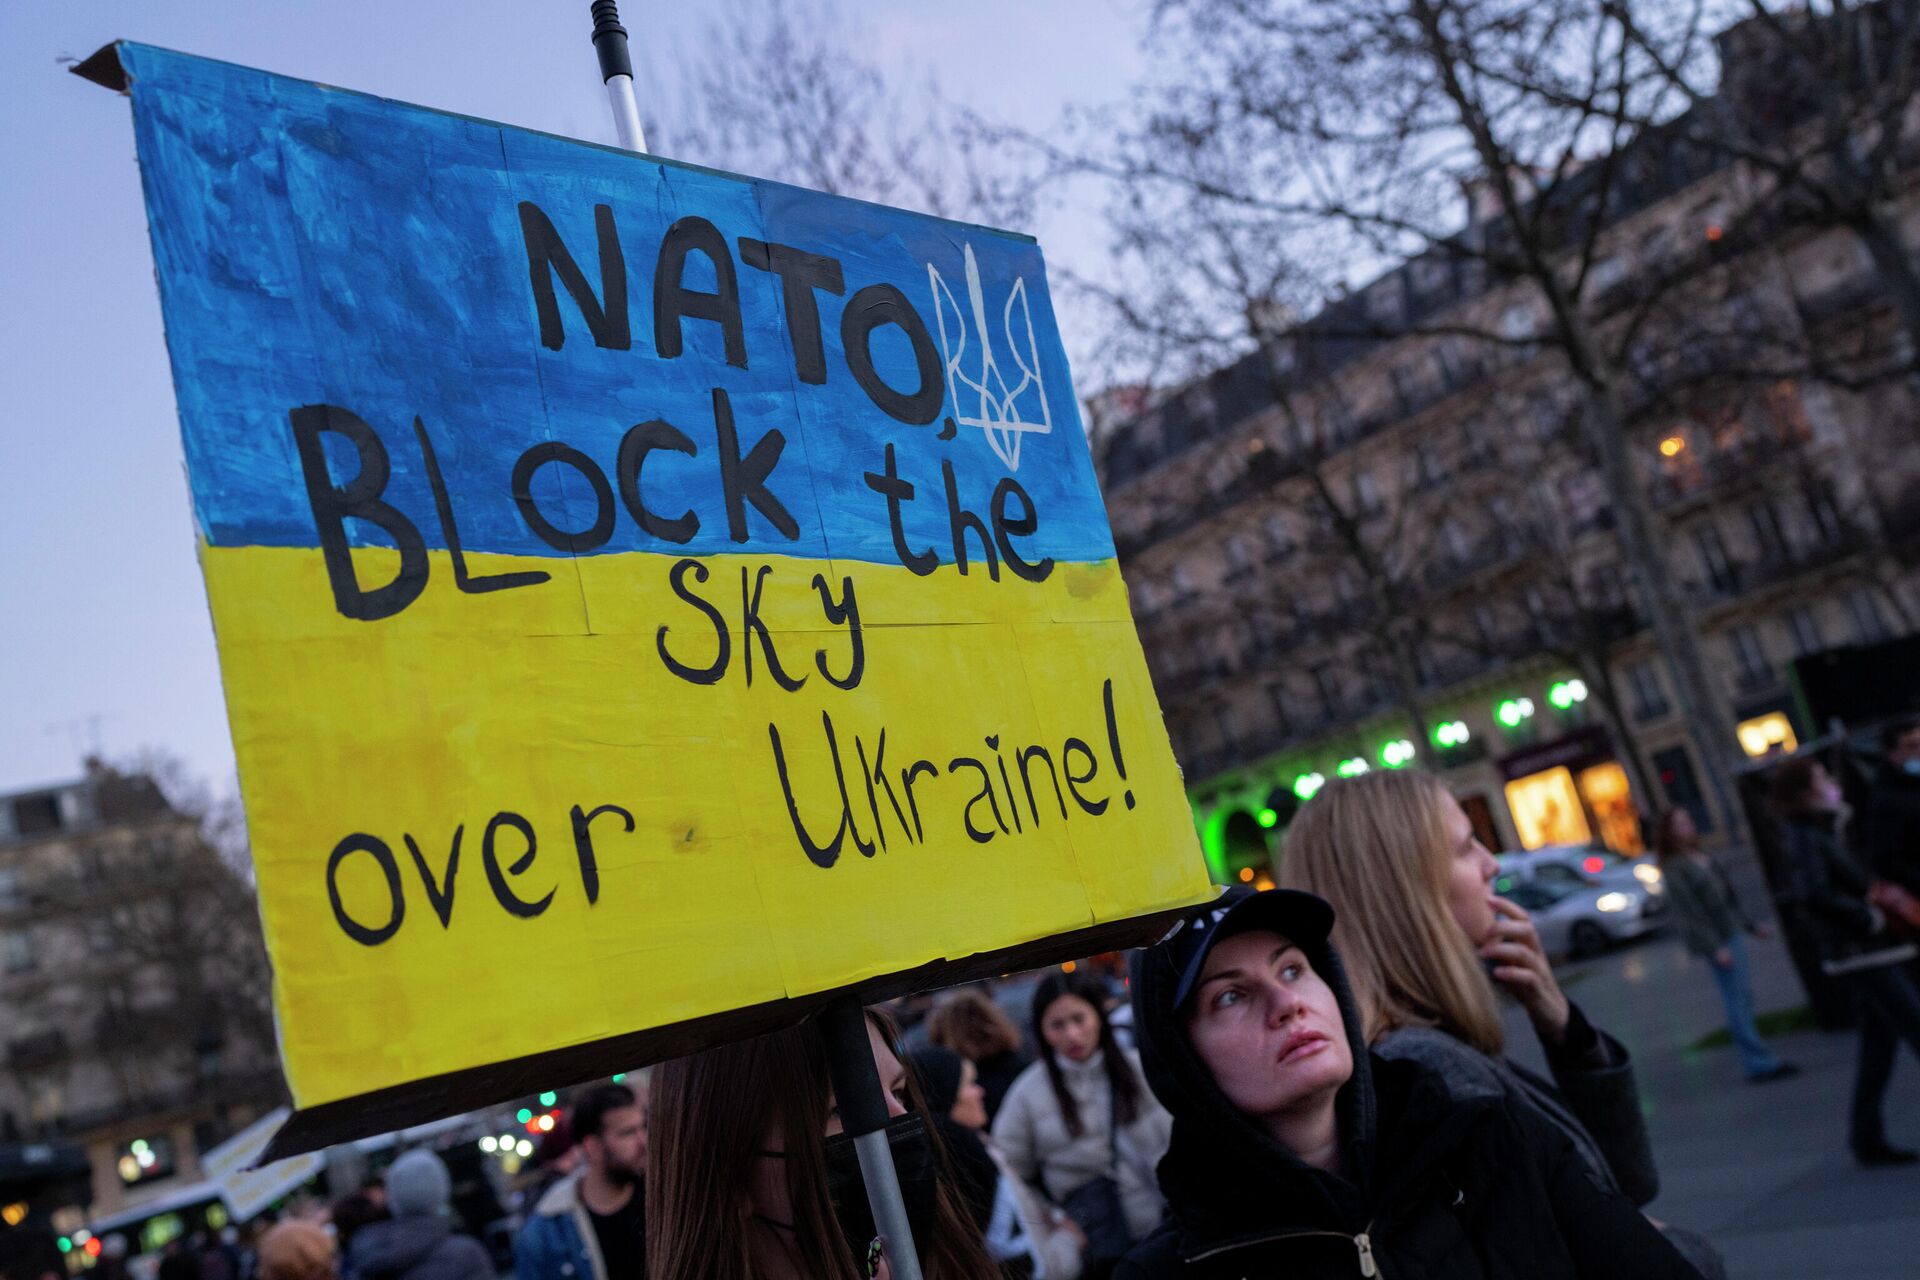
<point>1572,865</point>
<point>1582,918</point>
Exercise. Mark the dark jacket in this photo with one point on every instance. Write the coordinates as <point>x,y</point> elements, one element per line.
<point>417,1248</point>
<point>997,1074</point>
<point>1592,1099</point>
<point>1891,825</point>
<point>1434,1186</point>
<point>1705,904</point>
<point>1826,890</point>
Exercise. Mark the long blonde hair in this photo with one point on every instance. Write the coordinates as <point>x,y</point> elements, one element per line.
<point>1378,848</point>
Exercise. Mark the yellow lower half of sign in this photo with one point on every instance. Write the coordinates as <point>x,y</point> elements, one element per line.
<point>506,821</point>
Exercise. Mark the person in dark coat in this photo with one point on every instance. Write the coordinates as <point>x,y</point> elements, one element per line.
<point>418,1242</point>
<point>968,1022</point>
<point>1296,1152</point>
<point>1829,893</point>
<point>1891,823</point>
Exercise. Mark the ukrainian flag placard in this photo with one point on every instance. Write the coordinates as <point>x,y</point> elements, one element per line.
<point>642,593</point>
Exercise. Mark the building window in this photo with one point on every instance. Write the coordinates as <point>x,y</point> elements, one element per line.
<point>1277,699</point>
<point>1713,554</point>
<point>1516,322</point>
<point>1864,612</point>
<point>1279,536</point>
<point>36,815</point>
<point>1649,698</point>
<point>1429,469</point>
<point>1750,656</point>
<point>1824,512</point>
<point>1327,686</point>
<point>16,951</point>
<point>1805,630</point>
<point>10,896</point>
<point>1767,533</point>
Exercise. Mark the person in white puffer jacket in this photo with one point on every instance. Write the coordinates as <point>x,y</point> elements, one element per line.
<point>1056,1127</point>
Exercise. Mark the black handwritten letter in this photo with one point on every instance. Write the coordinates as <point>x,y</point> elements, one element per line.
<point>548,257</point>
<point>583,845</point>
<point>889,485</point>
<point>677,579</point>
<point>867,310</point>
<point>752,628</point>
<point>360,499</point>
<point>443,503</point>
<point>821,855</point>
<point>634,448</point>
<point>360,842</point>
<point>1006,530</point>
<point>439,894</point>
<point>514,904</point>
<point>744,480</point>
<point>800,274</point>
<point>1071,746</point>
<point>591,538</point>
<point>673,301</point>
<point>846,613</point>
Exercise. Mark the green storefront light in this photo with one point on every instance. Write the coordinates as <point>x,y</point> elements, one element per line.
<point>1268,818</point>
<point>1511,712</point>
<point>523,1115</point>
<point>1397,754</point>
<point>1352,767</point>
<point>1308,784</point>
<point>1453,733</point>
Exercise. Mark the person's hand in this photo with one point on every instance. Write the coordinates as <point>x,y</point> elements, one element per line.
<point>1723,958</point>
<point>1763,932</point>
<point>1520,965</point>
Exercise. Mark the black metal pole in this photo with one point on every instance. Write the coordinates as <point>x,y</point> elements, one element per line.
<point>863,1114</point>
<point>616,72</point>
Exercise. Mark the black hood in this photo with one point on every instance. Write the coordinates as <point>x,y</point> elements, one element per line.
<point>1223,1172</point>
<point>396,1245</point>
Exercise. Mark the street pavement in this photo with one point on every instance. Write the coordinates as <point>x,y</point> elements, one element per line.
<point>1763,1170</point>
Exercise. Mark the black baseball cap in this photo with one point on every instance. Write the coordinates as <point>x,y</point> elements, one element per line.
<point>1301,918</point>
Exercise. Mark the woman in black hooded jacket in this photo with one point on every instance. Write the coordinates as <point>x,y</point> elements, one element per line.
<point>1296,1152</point>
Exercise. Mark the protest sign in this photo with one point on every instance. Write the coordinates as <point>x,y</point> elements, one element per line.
<point>649,600</point>
<point>245,1184</point>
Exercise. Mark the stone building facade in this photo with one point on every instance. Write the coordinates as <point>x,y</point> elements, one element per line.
<point>1382,540</point>
<point>133,1019</point>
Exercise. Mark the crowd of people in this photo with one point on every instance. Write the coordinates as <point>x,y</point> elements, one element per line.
<point>1313,1080</point>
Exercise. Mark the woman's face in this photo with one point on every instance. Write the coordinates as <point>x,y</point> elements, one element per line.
<point>1071,1028</point>
<point>970,1104</point>
<point>893,1081</point>
<point>1470,872</point>
<point>1268,1027</point>
<point>1681,827</point>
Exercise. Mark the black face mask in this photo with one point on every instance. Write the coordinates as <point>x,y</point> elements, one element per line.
<point>919,1172</point>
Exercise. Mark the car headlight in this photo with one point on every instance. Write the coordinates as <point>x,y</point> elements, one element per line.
<point>1647,874</point>
<point>1613,902</point>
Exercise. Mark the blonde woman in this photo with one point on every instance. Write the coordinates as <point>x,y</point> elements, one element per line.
<point>1426,941</point>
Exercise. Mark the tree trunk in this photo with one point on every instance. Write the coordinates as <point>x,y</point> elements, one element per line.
<point>1606,692</point>
<point>1406,690</point>
<point>1708,718</point>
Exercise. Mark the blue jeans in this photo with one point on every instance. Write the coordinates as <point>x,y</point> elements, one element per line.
<point>1736,993</point>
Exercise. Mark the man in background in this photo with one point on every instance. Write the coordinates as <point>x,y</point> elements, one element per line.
<point>591,1225</point>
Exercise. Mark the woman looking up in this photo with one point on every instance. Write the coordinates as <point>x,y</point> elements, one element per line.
<point>1297,1153</point>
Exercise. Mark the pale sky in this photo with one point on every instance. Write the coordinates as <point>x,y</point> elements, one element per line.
<point>104,633</point>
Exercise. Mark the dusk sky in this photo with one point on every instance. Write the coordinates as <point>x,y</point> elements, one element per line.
<point>105,628</point>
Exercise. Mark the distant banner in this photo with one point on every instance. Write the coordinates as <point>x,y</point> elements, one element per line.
<point>248,1187</point>
<point>642,593</point>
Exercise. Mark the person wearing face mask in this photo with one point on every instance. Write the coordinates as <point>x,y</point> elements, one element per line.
<point>752,1177</point>
<point>1297,1152</point>
<point>1831,894</point>
<point>1715,927</point>
<point>1891,823</point>
<point>1079,1125</point>
<point>591,1225</point>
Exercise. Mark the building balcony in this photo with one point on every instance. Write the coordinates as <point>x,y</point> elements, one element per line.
<point>1717,471</point>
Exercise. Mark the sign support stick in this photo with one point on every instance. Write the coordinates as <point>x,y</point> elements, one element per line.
<point>863,1114</point>
<point>616,71</point>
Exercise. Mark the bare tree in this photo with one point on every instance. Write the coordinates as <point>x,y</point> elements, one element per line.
<point>1358,126</point>
<point>784,91</point>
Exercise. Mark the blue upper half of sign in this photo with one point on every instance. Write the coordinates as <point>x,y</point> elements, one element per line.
<point>444,278</point>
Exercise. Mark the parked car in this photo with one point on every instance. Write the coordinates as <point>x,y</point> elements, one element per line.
<point>1584,918</point>
<point>1571,865</point>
